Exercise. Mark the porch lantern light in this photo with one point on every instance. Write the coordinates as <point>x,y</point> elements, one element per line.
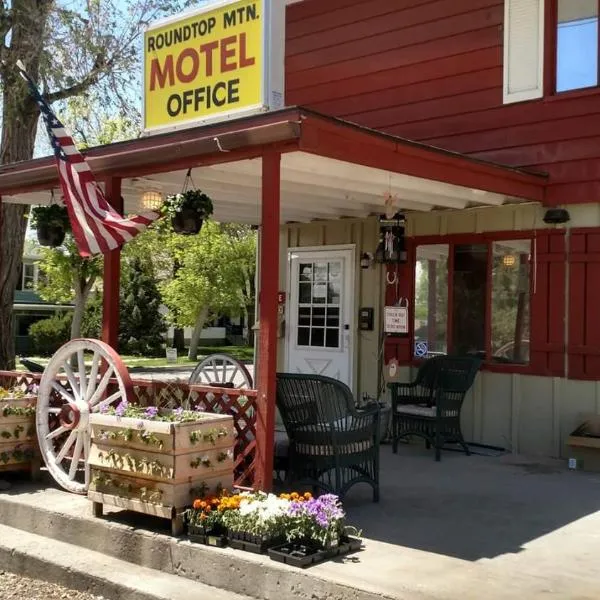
<point>366,260</point>
<point>509,260</point>
<point>151,199</point>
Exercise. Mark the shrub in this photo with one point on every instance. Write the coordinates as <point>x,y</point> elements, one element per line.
<point>48,335</point>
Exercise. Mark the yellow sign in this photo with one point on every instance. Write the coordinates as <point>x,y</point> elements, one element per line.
<point>205,65</point>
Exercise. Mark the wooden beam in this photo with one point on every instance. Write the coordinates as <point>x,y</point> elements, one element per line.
<point>112,274</point>
<point>268,308</point>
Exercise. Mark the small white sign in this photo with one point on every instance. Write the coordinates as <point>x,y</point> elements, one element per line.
<point>320,290</point>
<point>396,319</point>
<point>172,355</point>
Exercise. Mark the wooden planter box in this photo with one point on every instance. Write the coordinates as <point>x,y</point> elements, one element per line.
<point>18,440</point>
<point>157,467</point>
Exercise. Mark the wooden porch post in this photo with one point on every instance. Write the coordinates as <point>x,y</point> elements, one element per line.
<point>112,274</point>
<point>267,343</point>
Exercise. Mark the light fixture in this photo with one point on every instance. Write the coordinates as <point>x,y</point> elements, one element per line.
<point>366,260</point>
<point>557,216</point>
<point>509,260</point>
<point>151,199</point>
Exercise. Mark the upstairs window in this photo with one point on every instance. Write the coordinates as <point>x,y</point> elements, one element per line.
<point>577,45</point>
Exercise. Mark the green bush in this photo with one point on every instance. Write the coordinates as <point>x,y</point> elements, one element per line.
<point>48,335</point>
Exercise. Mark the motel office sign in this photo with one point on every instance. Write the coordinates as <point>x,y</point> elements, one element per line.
<point>223,60</point>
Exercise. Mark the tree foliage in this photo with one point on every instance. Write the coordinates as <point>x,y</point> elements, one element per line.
<point>68,49</point>
<point>215,268</point>
<point>67,277</point>
<point>142,327</point>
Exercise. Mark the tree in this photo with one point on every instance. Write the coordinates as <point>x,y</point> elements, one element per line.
<point>68,48</point>
<point>142,327</point>
<point>68,278</point>
<point>211,279</point>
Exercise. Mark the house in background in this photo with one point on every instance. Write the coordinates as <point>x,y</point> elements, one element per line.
<point>29,307</point>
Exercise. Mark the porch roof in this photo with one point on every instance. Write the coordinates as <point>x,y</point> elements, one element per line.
<point>329,169</point>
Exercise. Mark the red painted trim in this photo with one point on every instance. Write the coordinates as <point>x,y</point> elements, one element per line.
<point>550,24</point>
<point>112,275</point>
<point>268,308</point>
<point>343,141</point>
<point>546,307</point>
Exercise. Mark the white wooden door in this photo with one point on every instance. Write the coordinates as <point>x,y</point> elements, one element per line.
<point>320,313</point>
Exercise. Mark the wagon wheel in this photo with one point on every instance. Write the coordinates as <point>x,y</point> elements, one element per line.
<point>221,370</point>
<point>82,377</point>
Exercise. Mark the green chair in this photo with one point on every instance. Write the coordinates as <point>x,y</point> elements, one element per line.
<point>430,406</point>
<point>333,446</point>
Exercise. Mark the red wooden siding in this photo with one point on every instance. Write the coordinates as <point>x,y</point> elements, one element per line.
<point>584,316</point>
<point>432,71</point>
<point>547,347</point>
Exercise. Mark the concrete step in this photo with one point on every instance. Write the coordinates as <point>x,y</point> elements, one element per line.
<point>65,564</point>
<point>133,538</point>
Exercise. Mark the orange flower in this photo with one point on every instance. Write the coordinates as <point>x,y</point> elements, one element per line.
<point>295,495</point>
<point>197,504</point>
<point>307,496</point>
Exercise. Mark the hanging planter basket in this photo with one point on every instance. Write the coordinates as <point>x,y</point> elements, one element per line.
<point>51,224</point>
<point>50,235</point>
<point>189,209</point>
<point>187,222</point>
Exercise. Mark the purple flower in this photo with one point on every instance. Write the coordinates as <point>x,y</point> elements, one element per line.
<point>121,408</point>
<point>151,412</point>
<point>178,411</point>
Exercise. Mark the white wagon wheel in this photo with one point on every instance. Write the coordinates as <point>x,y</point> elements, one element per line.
<point>221,370</point>
<point>82,377</point>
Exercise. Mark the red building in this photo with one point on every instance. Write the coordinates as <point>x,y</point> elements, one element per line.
<point>515,83</point>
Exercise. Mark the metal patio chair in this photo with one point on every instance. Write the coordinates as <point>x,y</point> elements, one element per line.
<point>332,445</point>
<point>430,406</point>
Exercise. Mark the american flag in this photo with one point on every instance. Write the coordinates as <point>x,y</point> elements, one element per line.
<point>97,226</point>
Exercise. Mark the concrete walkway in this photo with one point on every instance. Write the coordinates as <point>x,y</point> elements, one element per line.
<point>479,527</point>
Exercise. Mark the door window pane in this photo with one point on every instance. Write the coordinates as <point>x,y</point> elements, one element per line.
<point>431,300</point>
<point>511,301</point>
<point>577,45</point>
<point>319,300</point>
<point>469,296</point>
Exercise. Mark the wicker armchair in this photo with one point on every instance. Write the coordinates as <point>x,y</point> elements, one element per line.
<point>430,406</point>
<point>333,446</point>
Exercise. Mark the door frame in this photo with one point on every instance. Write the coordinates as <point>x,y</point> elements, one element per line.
<point>350,249</point>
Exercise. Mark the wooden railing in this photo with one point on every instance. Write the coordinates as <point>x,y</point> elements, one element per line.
<point>241,404</point>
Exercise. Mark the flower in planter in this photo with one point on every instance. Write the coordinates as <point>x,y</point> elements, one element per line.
<point>319,520</point>
<point>151,413</point>
<point>207,514</point>
<point>51,223</point>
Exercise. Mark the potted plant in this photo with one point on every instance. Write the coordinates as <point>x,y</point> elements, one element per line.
<point>153,461</point>
<point>187,211</point>
<point>51,223</point>
<point>315,529</point>
<point>205,518</point>
<point>258,523</point>
<point>18,447</point>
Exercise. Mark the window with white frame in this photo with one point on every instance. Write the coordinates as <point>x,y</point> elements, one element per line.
<point>558,39</point>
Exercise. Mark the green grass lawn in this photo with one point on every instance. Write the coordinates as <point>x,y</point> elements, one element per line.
<point>242,353</point>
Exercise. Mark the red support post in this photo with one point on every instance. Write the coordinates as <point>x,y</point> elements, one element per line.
<point>112,274</point>
<point>267,344</point>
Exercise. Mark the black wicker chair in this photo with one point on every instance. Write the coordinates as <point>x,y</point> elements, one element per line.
<point>430,406</point>
<point>333,446</point>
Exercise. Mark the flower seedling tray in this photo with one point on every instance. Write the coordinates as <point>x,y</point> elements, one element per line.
<point>301,555</point>
<point>199,536</point>
<point>297,555</point>
<point>251,543</point>
<point>156,467</point>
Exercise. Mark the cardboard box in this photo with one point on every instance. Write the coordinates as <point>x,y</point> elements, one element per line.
<point>583,445</point>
